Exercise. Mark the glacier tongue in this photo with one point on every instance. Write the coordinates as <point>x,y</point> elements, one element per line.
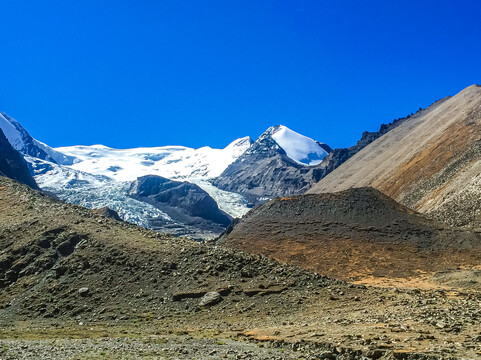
<point>93,191</point>
<point>231,203</point>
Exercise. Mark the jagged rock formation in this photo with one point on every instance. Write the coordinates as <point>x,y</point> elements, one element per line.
<point>183,202</point>
<point>13,165</point>
<point>339,156</point>
<point>355,233</point>
<point>431,163</point>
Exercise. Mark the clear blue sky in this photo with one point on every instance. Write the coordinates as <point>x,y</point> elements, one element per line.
<point>195,73</point>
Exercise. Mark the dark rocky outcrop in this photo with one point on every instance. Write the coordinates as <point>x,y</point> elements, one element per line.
<point>183,202</point>
<point>340,155</point>
<point>13,165</point>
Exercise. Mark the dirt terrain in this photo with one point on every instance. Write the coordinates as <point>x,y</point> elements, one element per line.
<point>78,285</point>
<point>357,235</point>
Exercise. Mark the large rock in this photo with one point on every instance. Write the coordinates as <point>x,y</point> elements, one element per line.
<point>210,299</point>
<point>108,213</point>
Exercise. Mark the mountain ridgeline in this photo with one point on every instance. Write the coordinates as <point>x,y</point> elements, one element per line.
<point>265,171</point>
<point>431,163</point>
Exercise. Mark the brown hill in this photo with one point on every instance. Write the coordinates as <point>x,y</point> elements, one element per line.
<point>355,233</point>
<point>431,163</point>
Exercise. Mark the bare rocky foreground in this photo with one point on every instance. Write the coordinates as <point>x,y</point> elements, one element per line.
<point>78,285</point>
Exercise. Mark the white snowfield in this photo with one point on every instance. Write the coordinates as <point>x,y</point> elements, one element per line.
<point>299,148</point>
<point>173,162</point>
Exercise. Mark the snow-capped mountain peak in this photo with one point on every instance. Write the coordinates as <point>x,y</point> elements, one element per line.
<point>299,148</point>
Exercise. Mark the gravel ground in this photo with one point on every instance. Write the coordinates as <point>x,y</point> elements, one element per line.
<point>141,348</point>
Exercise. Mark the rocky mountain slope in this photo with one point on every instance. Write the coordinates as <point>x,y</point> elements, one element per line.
<point>431,163</point>
<point>339,156</point>
<point>183,202</point>
<point>12,164</point>
<point>280,162</point>
<point>355,234</point>
<point>64,261</point>
<point>78,285</point>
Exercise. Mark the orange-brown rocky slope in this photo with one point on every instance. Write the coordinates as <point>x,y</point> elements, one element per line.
<point>356,233</point>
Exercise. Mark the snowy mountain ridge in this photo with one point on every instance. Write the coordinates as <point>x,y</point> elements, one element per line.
<point>96,176</point>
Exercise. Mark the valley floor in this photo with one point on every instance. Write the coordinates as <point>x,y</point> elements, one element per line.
<point>338,322</point>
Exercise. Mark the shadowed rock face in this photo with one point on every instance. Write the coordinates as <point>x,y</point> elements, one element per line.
<point>12,164</point>
<point>355,233</point>
<point>182,201</point>
<point>431,163</point>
